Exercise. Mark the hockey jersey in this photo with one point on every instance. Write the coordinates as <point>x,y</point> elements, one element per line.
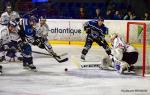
<point>120,43</point>
<point>95,30</point>
<point>5,17</point>
<point>7,36</point>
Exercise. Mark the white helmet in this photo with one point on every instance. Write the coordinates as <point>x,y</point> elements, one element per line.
<point>14,16</point>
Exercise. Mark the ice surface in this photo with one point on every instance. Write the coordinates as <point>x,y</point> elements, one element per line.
<point>51,79</point>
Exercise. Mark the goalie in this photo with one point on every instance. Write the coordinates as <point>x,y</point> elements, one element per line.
<point>123,56</point>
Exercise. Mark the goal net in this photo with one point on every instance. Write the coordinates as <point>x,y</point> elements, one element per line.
<point>138,34</point>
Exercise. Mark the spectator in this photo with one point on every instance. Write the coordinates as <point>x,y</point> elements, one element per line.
<point>146,16</point>
<point>82,13</point>
<point>128,16</point>
<point>97,13</point>
<point>108,14</point>
<point>117,15</point>
<point>134,17</point>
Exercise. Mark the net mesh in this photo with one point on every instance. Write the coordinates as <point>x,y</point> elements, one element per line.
<point>136,38</point>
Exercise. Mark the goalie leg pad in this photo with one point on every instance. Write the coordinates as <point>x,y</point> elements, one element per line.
<point>120,66</point>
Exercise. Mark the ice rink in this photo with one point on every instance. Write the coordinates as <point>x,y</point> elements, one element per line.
<point>51,79</point>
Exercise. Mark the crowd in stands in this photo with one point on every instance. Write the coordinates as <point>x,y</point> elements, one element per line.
<point>71,10</point>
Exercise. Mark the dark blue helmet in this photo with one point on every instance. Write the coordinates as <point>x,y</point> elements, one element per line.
<point>42,18</point>
<point>100,19</point>
<point>33,18</point>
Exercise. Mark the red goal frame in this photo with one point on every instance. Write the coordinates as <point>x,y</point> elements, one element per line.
<point>144,42</point>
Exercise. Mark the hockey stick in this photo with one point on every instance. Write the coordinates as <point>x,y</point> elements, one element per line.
<point>90,65</point>
<point>29,12</point>
<point>99,66</point>
<point>64,54</point>
<point>57,58</point>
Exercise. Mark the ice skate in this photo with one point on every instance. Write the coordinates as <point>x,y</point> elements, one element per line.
<point>2,58</point>
<point>32,67</point>
<point>82,58</point>
<point>1,70</point>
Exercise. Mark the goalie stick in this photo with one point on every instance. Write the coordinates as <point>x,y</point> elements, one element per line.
<point>89,66</point>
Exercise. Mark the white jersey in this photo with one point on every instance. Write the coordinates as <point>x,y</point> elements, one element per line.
<point>5,17</point>
<point>42,31</point>
<point>120,43</point>
<point>7,36</point>
<point>119,47</point>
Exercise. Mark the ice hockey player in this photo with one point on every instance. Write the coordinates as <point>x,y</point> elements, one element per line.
<point>96,31</point>
<point>11,41</point>
<point>41,34</point>
<point>6,17</point>
<point>43,29</point>
<point>9,15</point>
<point>123,56</point>
<point>37,34</point>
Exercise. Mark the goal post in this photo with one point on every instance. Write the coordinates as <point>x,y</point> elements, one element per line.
<point>133,37</point>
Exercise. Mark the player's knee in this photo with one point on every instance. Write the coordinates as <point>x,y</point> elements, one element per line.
<point>27,60</point>
<point>85,50</point>
<point>26,49</point>
<point>11,53</point>
<point>108,51</point>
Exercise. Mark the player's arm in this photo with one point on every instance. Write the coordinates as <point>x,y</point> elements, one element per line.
<point>21,33</point>
<point>86,27</point>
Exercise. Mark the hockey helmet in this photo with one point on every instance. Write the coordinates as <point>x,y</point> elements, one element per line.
<point>100,19</point>
<point>42,18</point>
<point>33,18</point>
<point>14,16</point>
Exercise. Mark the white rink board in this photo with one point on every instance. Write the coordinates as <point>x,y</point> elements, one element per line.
<point>76,33</point>
<point>72,30</point>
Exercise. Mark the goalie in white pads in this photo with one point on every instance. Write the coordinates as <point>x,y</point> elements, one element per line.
<point>123,56</point>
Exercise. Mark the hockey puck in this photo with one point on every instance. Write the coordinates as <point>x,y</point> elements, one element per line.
<point>66,69</point>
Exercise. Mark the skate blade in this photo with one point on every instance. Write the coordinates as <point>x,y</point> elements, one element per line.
<point>29,69</point>
<point>1,73</point>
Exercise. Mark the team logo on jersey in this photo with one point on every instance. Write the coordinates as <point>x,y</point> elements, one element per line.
<point>29,32</point>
